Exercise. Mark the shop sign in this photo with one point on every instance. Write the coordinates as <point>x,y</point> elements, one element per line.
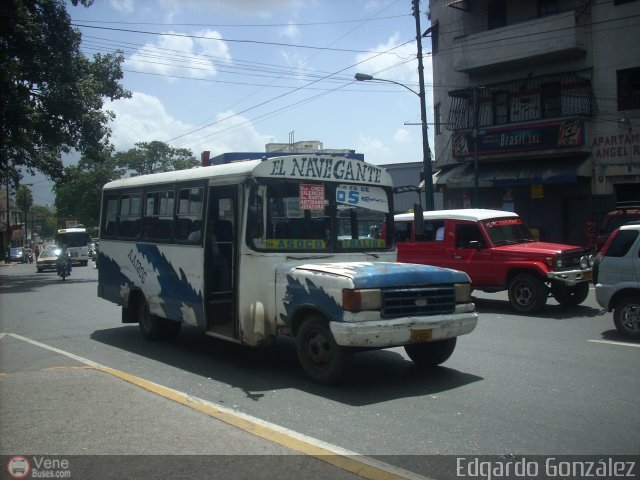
<point>551,135</point>
<point>623,146</point>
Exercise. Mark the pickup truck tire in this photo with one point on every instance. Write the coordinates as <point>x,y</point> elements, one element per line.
<point>432,353</point>
<point>626,316</point>
<point>321,358</point>
<point>527,293</point>
<point>570,296</point>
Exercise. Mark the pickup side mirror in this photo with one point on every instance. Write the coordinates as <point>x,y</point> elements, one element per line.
<point>418,220</point>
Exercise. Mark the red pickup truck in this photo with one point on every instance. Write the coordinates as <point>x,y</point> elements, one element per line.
<point>498,252</point>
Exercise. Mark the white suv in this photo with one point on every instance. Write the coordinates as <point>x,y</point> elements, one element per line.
<point>617,278</point>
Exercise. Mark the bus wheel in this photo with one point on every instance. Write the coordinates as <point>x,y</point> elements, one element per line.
<point>150,325</point>
<point>321,358</point>
<point>432,353</point>
<point>168,328</point>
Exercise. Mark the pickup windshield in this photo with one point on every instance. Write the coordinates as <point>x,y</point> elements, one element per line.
<point>507,231</point>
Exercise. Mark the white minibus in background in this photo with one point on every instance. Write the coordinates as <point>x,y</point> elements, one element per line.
<point>76,243</point>
<point>249,250</point>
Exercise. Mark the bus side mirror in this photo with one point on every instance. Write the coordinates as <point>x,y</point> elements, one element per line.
<point>418,219</point>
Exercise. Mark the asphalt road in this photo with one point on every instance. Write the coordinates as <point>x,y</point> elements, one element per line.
<point>560,383</point>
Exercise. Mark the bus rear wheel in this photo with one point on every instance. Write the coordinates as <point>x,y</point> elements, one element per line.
<point>321,358</point>
<point>154,327</point>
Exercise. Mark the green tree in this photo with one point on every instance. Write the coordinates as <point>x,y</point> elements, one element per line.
<point>24,198</point>
<point>44,222</point>
<point>154,157</point>
<point>78,196</point>
<point>51,95</point>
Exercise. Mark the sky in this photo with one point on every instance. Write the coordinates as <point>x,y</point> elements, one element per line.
<point>234,75</point>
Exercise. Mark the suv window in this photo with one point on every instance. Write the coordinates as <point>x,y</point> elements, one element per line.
<point>468,232</point>
<point>621,244</point>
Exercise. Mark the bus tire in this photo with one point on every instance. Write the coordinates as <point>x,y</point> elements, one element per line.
<point>169,329</point>
<point>431,354</point>
<point>321,358</point>
<point>150,325</point>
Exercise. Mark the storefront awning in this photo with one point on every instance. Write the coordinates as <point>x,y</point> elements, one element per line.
<point>524,172</point>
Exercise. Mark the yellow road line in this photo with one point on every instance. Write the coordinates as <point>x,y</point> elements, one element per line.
<point>363,466</point>
<point>346,463</point>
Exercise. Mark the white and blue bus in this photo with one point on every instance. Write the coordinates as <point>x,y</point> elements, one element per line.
<point>292,246</point>
<point>76,243</point>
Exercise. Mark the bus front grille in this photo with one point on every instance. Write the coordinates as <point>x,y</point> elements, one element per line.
<point>418,301</point>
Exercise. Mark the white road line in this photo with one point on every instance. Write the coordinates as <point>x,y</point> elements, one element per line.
<point>370,468</point>
<point>622,344</point>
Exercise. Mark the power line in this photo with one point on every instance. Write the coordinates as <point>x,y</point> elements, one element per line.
<point>230,40</point>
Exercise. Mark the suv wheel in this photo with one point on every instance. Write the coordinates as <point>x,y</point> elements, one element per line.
<point>527,293</point>
<point>626,316</point>
<point>570,296</point>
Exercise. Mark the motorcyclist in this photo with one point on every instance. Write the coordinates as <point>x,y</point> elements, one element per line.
<point>63,262</point>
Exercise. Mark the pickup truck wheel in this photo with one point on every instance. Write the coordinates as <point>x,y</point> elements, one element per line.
<point>321,358</point>
<point>626,317</point>
<point>570,296</point>
<point>150,325</point>
<point>527,293</point>
<point>432,353</point>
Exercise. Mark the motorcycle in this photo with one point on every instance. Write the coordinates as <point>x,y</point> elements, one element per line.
<point>63,265</point>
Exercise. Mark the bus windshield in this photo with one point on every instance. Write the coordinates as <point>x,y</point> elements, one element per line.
<point>308,216</point>
<point>71,239</point>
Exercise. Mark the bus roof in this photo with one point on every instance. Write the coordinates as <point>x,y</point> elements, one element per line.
<point>300,167</point>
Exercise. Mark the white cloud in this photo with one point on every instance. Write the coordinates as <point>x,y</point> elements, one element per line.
<point>374,149</point>
<point>182,56</point>
<point>231,133</point>
<point>402,135</point>
<point>124,6</point>
<point>142,118</point>
<point>262,8</point>
<point>292,32</point>
<point>393,65</point>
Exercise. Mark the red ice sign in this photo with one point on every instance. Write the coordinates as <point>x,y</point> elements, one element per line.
<point>311,196</point>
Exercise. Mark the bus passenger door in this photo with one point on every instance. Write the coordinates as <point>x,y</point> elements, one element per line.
<point>220,257</point>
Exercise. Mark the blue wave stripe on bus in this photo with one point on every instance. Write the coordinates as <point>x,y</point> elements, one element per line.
<point>175,289</point>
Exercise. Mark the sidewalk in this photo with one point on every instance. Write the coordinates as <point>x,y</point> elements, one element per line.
<point>63,409</point>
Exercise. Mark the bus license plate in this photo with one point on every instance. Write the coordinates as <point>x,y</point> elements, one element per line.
<point>421,335</point>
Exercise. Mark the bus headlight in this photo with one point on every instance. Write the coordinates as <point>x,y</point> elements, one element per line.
<point>463,292</point>
<point>356,300</point>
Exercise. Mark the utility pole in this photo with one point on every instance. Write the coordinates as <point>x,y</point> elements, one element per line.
<point>426,151</point>
<point>8,216</point>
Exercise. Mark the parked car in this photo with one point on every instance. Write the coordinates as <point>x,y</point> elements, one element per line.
<point>617,278</point>
<point>624,213</point>
<point>16,255</point>
<point>499,253</point>
<point>46,260</point>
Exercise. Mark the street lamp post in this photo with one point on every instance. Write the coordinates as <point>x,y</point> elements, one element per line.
<point>426,151</point>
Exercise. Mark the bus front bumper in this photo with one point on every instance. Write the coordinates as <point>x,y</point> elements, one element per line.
<point>403,331</point>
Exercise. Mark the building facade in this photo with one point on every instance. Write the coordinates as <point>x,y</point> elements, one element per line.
<point>537,108</point>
